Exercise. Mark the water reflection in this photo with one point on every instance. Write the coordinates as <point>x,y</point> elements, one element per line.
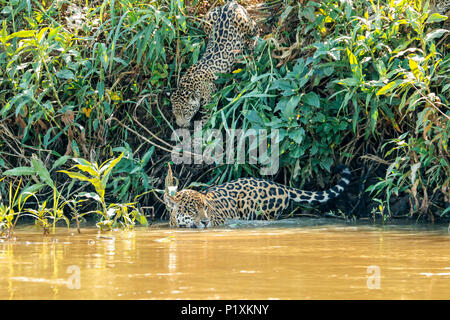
<point>264,261</point>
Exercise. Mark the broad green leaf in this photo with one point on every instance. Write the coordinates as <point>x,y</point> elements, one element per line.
<point>312,99</point>
<point>197,184</point>
<point>41,34</point>
<point>355,117</point>
<point>354,65</point>
<point>109,166</point>
<point>147,156</point>
<point>42,172</point>
<point>101,88</point>
<point>85,162</point>
<point>414,169</point>
<point>143,220</point>
<point>291,105</point>
<point>20,171</point>
<point>327,163</point>
<point>65,74</point>
<point>435,34</point>
<point>436,17</point>
<point>373,117</point>
<point>29,191</point>
<point>298,135</point>
<point>351,57</point>
<point>284,15</point>
<point>99,187</point>
<point>281,84</point>
<point>22,34</point>
<point>88,169</point>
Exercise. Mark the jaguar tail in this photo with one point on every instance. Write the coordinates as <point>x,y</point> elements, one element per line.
<point>311,197</point>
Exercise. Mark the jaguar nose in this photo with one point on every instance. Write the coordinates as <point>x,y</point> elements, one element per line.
<point>205,223</point>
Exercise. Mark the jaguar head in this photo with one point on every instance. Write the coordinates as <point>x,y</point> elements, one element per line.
<point>188,209</point>
<point>185,104</point>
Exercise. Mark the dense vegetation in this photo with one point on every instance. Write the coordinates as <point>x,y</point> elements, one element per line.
<point>84,82</point>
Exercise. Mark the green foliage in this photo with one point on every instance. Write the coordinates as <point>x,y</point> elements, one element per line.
<point>42,213</point>
<point>61,79</point>
<point>98,176</point>
<point>10,213</point>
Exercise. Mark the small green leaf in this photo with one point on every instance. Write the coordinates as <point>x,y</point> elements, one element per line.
<point>389,87</point>
<point>91,195</point>
<point>101,88</point>
<point>351,82</point>
<point>62,160</point>
<point>143,220</point>
<point>76,175</point>
<point>414,68</point>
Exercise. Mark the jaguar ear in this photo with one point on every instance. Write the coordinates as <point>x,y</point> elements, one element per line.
<point>168,94</point>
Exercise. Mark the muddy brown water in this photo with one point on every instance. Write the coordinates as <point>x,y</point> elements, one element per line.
<point>292,260</point>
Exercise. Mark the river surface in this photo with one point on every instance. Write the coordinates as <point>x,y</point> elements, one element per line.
<point>294,259</point>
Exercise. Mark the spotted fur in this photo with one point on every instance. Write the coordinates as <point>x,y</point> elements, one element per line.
<point>229,28</point>
<point>442,7</point>
<point>244,198</point>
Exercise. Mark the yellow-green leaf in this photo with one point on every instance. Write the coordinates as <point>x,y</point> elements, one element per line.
<point>414,68</point>
<point>87,169</point>
<point>21,34</point>
<point>389,87</point>
<point>77,175</point>
<point>106,168</point>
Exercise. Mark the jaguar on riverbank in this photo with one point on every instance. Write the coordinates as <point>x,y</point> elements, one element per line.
<point>229,28</point>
